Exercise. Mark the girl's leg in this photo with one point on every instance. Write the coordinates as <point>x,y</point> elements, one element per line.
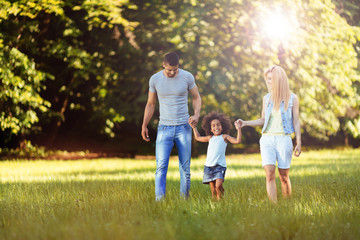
<point>270,182</point>
<point>285,182</point>
<point>219,188</point>
<point>213,191</point>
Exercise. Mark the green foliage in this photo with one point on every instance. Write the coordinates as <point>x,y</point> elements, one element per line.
<point>19,91</point>
<point>72,42</point>
<point>328,67</point>
<point>27,152</point>
<point>105,13</point>
<point>350,10</point>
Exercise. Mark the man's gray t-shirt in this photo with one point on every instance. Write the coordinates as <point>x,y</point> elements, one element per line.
<point>173,96</point>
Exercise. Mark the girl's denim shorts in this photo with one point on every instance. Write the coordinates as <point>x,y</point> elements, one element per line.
<point>213,173</point>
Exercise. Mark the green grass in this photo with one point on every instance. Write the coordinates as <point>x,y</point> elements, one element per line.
<point>114,199</point>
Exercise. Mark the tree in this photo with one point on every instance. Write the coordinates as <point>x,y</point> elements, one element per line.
<point>20,85</point>
<point>350,10</point>
<point>19,93</point>
<point>71,42</point>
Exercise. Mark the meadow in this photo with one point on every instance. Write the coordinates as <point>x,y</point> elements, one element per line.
<point>114,199</point>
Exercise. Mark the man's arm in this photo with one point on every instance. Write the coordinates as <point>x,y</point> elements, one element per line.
<point>196,101</point>
<point>148,113</point>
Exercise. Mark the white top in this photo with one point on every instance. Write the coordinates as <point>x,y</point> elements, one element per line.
<point>275,124</point>
<point>216,152</point>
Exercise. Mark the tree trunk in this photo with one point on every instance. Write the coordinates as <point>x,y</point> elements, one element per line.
<point>58,121</point>
<point>346,140</point>
<point>22,141</point>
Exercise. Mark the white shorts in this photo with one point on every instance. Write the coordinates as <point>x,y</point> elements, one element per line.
<point>276,148</point>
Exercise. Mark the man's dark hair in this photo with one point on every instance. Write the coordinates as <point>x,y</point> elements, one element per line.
<point>172,59</point>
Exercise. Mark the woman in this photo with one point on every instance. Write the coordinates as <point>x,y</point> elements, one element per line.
<point>279,118</point>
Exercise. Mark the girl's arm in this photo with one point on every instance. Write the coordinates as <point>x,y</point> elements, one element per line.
<point>198,137</point>
<point>296,122</point>
<point>233,140</point>
<point>257,122</point>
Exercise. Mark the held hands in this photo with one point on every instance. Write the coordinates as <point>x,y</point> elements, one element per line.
<point>297,150</point>
<point>239,123</point>
<point>193,120</point>
<point>192,125</point>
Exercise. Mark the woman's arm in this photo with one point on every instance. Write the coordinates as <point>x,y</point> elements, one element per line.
<point>257,122</point>
<point>296,122</point>
<point>198,137</point>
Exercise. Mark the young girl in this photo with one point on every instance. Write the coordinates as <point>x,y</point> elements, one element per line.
<point>279,118</point>
<point>217,127</point>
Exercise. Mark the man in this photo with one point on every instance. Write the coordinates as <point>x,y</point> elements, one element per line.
<point>171,86</point>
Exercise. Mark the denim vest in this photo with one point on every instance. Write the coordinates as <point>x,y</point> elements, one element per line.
<point>286,115</point>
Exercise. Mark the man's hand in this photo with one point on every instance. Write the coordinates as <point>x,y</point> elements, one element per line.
<point>145,134</point>
<point>192,125</point>
<point>193,120</point>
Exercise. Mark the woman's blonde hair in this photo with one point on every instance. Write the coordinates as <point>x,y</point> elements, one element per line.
<point>280,89</point>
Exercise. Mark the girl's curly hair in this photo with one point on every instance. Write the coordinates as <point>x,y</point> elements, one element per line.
<point>224,120</point>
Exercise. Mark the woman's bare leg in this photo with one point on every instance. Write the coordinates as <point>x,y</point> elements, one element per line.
<point>285,182</point>
<point>270,182</point>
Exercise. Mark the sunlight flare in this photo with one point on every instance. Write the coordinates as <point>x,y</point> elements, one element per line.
<point>279,24</point>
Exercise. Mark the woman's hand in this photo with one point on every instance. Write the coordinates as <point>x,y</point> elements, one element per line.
<point>297,150</point>
<point>239,123</point>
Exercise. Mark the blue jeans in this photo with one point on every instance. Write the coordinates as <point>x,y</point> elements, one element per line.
<point>167,136</point>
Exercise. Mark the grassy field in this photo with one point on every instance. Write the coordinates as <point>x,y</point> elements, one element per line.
<point>114,199</point>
